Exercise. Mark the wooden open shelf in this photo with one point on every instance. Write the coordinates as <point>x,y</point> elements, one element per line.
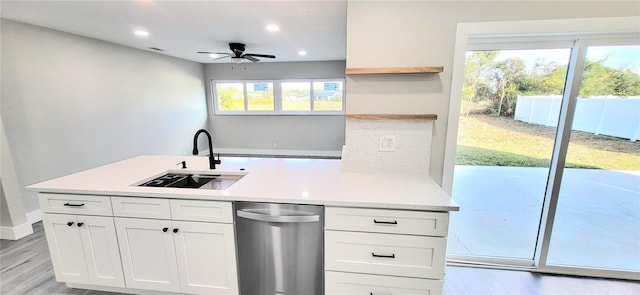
<point>391,116</point>
<point>401,70</point>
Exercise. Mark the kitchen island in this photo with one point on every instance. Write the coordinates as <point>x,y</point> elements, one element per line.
<point>130,231</point>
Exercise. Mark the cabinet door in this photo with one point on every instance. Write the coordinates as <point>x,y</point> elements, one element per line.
<point>148,254</point>
<point>101,252</point>
<point>343,283</point>
<point>206,257</point>
<point>65,247</point>
<point>385,254</point>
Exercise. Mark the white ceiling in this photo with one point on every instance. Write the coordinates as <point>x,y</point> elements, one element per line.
<point>182,28</point>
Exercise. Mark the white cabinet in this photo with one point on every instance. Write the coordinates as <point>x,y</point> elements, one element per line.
<point>84,249</point>
<point>75,204</point>
<point>343,283</point>
<point>371,251</point>
<point>206,256</point>
<point>148,255</point>
<point>174,255</point>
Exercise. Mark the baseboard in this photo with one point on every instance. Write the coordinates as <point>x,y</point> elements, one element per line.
<point>16,232</point>
<point>273,152</point>
<point>34,216</point>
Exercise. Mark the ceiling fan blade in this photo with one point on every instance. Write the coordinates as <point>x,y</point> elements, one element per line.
<point>260,55</point>
<point>251,58</point>
<point>218,53</point>
<point>221,57</point>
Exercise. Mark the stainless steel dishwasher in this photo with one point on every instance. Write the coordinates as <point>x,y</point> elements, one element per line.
<point>280,248</point>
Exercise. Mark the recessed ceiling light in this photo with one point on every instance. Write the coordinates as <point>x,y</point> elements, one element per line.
<point>302,52</point>
<point>273,28</point>
<point>141,33</point>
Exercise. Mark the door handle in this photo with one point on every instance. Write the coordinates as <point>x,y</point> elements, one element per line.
<point>383,255</point>
<point>385,222</point>
<point>278,218</point>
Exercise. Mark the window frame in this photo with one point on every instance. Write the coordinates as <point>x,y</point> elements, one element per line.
<point>277,96</point>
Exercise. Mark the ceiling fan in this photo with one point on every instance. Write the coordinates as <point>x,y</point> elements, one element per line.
<point>237,55</point>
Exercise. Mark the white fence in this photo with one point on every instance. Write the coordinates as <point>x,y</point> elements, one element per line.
<point>619,117</point>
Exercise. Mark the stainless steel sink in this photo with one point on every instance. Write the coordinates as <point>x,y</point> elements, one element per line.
<point>193,181</point>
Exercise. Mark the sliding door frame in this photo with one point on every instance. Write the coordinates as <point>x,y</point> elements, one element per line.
<point>538,34</point>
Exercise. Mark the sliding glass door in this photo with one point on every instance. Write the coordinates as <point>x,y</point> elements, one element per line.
<point>506,132</point>
<point>596,225</point>
<point>547,169</point>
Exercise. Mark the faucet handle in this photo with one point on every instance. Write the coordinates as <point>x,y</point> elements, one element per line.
<point>184,164</point>
<point>218,161</point>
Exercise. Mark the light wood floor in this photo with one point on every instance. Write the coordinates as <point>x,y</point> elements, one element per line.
<point>25,268</point>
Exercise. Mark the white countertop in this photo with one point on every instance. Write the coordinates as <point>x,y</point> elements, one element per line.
<point>276,180</point>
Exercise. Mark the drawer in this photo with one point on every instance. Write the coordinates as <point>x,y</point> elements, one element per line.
<point>342,283</point>
<point>387,221</point>
<point>385,254</point>
<point>194,210</point>
<point>75,204</point>
<point>141,207</point>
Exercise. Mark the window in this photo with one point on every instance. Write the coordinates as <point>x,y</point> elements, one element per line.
<point>259,96</point>
<point>286,97</point>
<point>327,96</point>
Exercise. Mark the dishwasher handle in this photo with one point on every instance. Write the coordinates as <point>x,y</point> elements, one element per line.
<point>278,218</point>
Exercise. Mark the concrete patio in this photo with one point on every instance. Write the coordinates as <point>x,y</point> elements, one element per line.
<point>597,221</point>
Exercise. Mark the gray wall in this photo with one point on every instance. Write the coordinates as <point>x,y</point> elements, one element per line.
<point>311,134</point>
<point>71,103</point>
<point>422,33</point>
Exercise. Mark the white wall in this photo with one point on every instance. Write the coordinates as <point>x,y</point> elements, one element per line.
<point>293,135</point>
<point>422,33</point>
<point>70,103</point>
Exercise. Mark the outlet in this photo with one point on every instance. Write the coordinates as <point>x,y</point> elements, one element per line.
<point>387,143</point>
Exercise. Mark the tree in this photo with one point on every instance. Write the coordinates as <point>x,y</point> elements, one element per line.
<point>499,83</point>
<point>509,76</point>
<point>598,80</point>
<point>476,70</point>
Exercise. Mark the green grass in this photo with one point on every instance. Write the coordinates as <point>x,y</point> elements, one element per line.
<point>467,155</point>
<point>490,141</point>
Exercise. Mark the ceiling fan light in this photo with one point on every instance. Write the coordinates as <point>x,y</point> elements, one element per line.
<point>237,60</point>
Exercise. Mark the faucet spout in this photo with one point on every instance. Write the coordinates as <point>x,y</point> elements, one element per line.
<point>212,159</point>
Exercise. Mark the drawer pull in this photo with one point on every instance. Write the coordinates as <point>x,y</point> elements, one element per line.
<point>371,293</point>
<point>385,222</point>
<point>73,205</point>
<point>383,255</point>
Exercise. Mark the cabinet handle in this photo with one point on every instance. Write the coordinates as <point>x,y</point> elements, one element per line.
<point>383,255</point>
<point>371,293</point>
<point>165,229</point>
<point>70,223</point>
<point>80,224</point>
<point>175,230</point>
<point>385,222</point>
<point>73,205</point>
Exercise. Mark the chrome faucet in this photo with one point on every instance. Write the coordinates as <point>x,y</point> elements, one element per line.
<point>212,159</point>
